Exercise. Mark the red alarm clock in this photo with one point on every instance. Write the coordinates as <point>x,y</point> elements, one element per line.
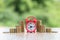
<point>31,24</point>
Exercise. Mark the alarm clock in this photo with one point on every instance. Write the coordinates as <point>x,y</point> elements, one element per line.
<point>31,24</point>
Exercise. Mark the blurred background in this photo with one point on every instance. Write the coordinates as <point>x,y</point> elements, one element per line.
<point>12,11</point>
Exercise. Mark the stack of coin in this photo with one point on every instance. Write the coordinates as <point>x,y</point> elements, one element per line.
<point>48,30</point>
<point>15,31</point>
<point>43,28</point>
<point>18,29</point>
<point>22,26</point>
<point>40,28</point>
<point>12,30</point>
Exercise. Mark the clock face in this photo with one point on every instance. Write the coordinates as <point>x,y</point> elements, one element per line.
<point>31,26</point>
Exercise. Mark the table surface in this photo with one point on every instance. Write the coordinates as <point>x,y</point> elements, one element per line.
<point>29,36</point>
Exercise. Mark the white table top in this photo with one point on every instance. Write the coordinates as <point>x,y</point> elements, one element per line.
<point>29,36</point>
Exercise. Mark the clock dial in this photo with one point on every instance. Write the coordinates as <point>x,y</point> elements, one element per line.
<point>31,26</point>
